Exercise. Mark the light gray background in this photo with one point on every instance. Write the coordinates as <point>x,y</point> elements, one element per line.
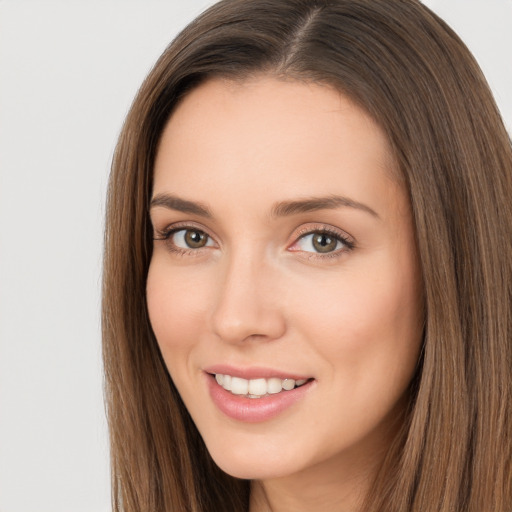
<point>68,72</point>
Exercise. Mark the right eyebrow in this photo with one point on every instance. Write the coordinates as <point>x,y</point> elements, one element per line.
<point>181,205</point>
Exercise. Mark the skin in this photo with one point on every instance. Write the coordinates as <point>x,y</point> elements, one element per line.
<point>260,294</point>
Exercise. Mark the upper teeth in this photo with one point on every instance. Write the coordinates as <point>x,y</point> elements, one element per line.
<point>256,388</point>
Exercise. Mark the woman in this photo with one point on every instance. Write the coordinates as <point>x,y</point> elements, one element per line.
<point>307,291</point>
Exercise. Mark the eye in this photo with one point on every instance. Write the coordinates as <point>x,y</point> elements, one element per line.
<point>319,242</point>
<point>184,240</point>
<point>322,242</point>
<point>190,239</point>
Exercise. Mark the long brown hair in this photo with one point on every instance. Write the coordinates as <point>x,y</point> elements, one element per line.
<point>413,75</point>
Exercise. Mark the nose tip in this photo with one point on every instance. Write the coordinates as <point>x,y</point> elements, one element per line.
<point>246,307</point>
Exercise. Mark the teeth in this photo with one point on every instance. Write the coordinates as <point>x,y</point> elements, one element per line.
<point>274,386</point>
<point>288,384</point>
<point>239,386</point>
<point>256,388</point>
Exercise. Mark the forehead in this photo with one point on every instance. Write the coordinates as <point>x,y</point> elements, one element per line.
<point>269,136</point>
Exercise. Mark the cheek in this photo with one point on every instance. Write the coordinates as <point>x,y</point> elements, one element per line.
<point>368,326</point>
<point>176,307</point>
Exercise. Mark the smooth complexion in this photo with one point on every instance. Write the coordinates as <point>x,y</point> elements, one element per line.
<point>284,244</point>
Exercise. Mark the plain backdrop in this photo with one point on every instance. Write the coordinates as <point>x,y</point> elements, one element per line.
<point>68,72</point>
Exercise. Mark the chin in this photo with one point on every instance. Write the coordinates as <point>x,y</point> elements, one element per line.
<point>252,462</point>
<point>249,469</point>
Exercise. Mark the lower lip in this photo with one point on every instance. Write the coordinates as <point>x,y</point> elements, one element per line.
<point>253,410</point>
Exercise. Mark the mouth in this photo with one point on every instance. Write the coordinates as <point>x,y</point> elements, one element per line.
<point>255,394</point>
<point>257,388</point>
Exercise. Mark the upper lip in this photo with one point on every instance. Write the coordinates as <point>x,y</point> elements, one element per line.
<point>253,372</point>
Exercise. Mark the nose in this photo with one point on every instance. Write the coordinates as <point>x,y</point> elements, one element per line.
<point>247,304</point>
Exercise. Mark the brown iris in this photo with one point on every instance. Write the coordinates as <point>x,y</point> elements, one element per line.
<point>322,242</point>
<point>195,239</point>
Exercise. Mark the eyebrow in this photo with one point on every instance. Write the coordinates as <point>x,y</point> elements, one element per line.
<point>281,209</point>
<point>312,204</point>
<point>180,205</point>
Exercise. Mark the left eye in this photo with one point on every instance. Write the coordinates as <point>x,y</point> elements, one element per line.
<point>320,242</point>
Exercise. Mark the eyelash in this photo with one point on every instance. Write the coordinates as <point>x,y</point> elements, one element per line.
<point>348,243</point>
<point>345,240</point>
<point>166,234</point>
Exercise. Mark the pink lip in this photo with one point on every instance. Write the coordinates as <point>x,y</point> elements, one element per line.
<point>253,410</point>
<point>253,372</point>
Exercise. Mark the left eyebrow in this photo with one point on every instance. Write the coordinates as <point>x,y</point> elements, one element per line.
<point>285,208</point>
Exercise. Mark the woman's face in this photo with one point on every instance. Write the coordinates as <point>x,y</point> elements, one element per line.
<point>284,256</point>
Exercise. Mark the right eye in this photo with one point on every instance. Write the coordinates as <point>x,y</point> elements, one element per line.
<point>190,238</point>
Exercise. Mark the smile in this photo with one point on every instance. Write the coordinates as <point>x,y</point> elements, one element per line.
<point>257,388</point>
<point>232,394</point>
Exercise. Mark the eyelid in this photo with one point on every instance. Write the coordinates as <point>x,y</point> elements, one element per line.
<point>166,233</point>
<point>177,226</point>
<point>348,240</point>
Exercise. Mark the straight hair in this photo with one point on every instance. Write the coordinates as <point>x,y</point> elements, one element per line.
<point>407,69</point>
